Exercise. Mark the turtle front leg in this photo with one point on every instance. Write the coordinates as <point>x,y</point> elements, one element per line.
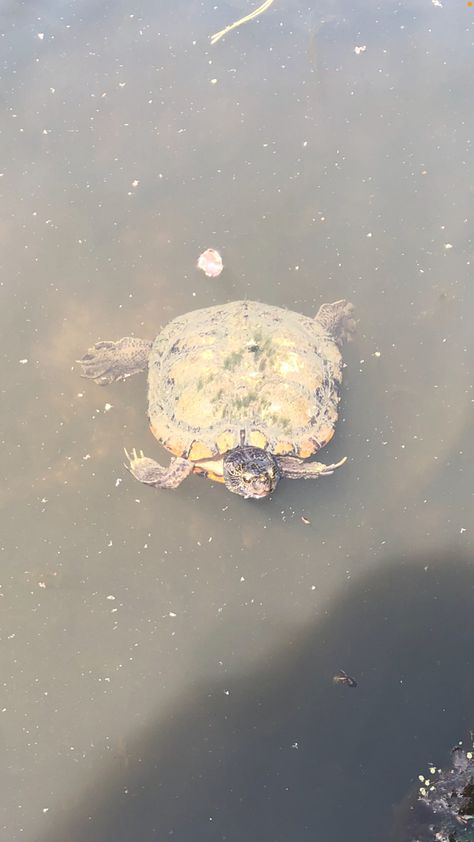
<point>293,468</point>
<point>151,473</point>
<point>107,361</point>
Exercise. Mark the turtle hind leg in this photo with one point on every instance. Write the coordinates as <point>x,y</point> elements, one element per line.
<point>151,473</point>
<point>106,362</point>
<point>337,320</point>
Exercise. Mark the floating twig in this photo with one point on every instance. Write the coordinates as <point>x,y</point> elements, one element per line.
<point>263,8</point>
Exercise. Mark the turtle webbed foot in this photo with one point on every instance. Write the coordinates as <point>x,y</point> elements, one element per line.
<point>151,473</point>
<point>108,361</point>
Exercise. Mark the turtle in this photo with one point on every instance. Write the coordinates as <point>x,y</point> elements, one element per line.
<point>242,392</point>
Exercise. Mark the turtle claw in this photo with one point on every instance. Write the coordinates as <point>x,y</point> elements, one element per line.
<point>328,470</point>
<point>134,458</point>
<point>332,468</point>
<point>141,467</point>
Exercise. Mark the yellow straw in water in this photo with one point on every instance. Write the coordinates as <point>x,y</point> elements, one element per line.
<point>262,8</point>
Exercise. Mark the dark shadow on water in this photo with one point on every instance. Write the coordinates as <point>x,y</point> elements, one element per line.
<point>282,754</point>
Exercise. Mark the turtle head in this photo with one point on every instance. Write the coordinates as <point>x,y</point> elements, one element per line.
<point>250,471</point>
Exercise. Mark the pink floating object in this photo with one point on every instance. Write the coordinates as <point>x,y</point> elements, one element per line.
<point>210,262</point>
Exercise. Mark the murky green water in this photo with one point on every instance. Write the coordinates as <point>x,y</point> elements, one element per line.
<point>167,657</point>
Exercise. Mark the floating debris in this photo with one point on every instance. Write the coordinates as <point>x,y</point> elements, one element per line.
<point>449,795</point>
<point>359,50</point>
<point>210,262</point>
<point>341,677</point>
<point>305,520</point>
<point>263,8</point>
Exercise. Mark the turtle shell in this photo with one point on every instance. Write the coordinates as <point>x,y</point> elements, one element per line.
<point>245,366</point>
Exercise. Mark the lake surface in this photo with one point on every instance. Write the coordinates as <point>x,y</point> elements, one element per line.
<point>167,657</point>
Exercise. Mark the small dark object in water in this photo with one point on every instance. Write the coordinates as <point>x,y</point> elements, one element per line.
<point>342,678</point>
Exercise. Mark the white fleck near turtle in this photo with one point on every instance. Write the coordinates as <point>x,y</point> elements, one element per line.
<point>242,392</point>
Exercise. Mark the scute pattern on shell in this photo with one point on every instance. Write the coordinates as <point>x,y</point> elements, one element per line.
<point>243,365</point>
